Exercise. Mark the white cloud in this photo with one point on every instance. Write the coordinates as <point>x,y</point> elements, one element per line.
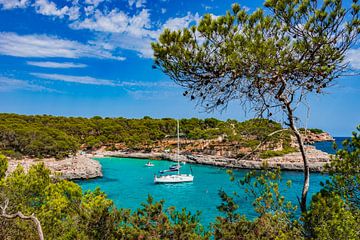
<point>137,3</point>
<point>131,33</point>
<point>75,79</point>
<point>43,46</point>
<point>102,82</point>
<point>95,3</point>
<point>11,84</point>
<point>163,10</point>
<point>118,28</point>
<point>353,57</point>
<point>49,8</point>
<point>56,64</point>
<point>182,22</point>
<point>10,4</point>
<point>116,22</point>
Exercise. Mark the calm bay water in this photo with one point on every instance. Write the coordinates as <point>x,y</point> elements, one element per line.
<point>128,182</point>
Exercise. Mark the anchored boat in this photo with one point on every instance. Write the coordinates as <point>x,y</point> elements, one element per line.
<point>174,178</point>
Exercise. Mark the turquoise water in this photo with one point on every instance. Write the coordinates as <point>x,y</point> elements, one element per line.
<point>128,182</point>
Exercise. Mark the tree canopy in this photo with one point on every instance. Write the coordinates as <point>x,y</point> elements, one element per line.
<point>268,60</point>
<point>50,136</point>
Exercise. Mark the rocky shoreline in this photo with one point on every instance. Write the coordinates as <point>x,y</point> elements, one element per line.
<point>82,166</point>
<point>72,168</point>
<point>291,161</point>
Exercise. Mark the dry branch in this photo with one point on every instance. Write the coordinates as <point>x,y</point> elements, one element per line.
<point>21,216</point>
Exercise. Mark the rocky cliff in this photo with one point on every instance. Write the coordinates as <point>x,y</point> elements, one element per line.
<point>77,167</point>
<point>310,137</point>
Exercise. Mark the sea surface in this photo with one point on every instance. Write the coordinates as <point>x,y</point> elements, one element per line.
<point>329,146</point>
<point>128,182</point>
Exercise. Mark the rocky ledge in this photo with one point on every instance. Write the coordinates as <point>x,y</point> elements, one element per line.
<point>310,137</point>
<point>77,167</point>
<point>291,161</point>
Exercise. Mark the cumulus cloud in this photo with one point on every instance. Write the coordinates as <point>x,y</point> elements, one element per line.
<point>116,22</point>
<point>131,33</point>
<point>42,46</point>
<point>114,28</point>
<point>56,64</point>
<point>10,4</point>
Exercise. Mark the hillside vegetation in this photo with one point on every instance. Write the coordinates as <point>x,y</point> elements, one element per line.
<point>51,136</point>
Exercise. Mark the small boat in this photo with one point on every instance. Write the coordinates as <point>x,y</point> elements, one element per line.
<point>174,178</point>
<point>149,164</point>
<point>174,167</point>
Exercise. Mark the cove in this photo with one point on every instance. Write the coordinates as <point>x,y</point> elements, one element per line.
<point>128,182</point>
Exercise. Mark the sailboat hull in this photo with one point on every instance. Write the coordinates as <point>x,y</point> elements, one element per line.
<point>180,178</point>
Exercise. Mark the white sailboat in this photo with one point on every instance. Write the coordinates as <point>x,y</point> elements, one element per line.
<point>175,178</point>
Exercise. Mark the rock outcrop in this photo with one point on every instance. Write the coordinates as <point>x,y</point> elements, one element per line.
<point>310,137</point>
<point>77,167</point>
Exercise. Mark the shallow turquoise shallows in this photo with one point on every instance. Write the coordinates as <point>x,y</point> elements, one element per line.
<point>128,182</point>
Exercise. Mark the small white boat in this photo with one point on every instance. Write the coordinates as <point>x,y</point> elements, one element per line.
<point>176,178</point>
<point>149,164</point>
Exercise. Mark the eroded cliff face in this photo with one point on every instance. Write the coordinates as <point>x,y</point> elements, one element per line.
<point>310,137</point>
<point>215,147</point>
<point>222,147</point>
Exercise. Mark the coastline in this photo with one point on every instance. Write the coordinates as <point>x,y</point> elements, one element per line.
<point>292,161</point>
<point>83,166</point>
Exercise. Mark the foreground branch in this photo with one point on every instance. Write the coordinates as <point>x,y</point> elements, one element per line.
<point>261,143</point>
<point>22,216</point>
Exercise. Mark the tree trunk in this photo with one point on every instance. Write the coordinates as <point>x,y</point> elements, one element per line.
<point>303,155</point>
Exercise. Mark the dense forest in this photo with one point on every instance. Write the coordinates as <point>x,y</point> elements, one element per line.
<point>51,136</point>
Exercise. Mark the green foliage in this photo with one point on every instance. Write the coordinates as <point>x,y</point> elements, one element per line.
<point>65,212</point>
<point>3,166</point>
<point>264,186</point>
<point>271,153</point>
<point>151,221</point>
<point>265,58</point>
<point>344,170</point>
<point>312,130</point>
<point>335,211</point>
<point>276,216</point>
<point>49,136</point>
<point>330,218</point>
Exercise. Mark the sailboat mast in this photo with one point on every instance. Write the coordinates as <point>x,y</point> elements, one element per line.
<point>178,145</point>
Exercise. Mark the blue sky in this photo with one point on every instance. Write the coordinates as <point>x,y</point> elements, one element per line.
<point>93,57</point>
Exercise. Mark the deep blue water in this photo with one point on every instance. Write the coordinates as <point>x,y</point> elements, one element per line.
<point>328,146</point>
<point>128,182</point>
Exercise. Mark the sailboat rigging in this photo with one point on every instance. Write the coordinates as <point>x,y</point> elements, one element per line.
<point>174,178</point>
